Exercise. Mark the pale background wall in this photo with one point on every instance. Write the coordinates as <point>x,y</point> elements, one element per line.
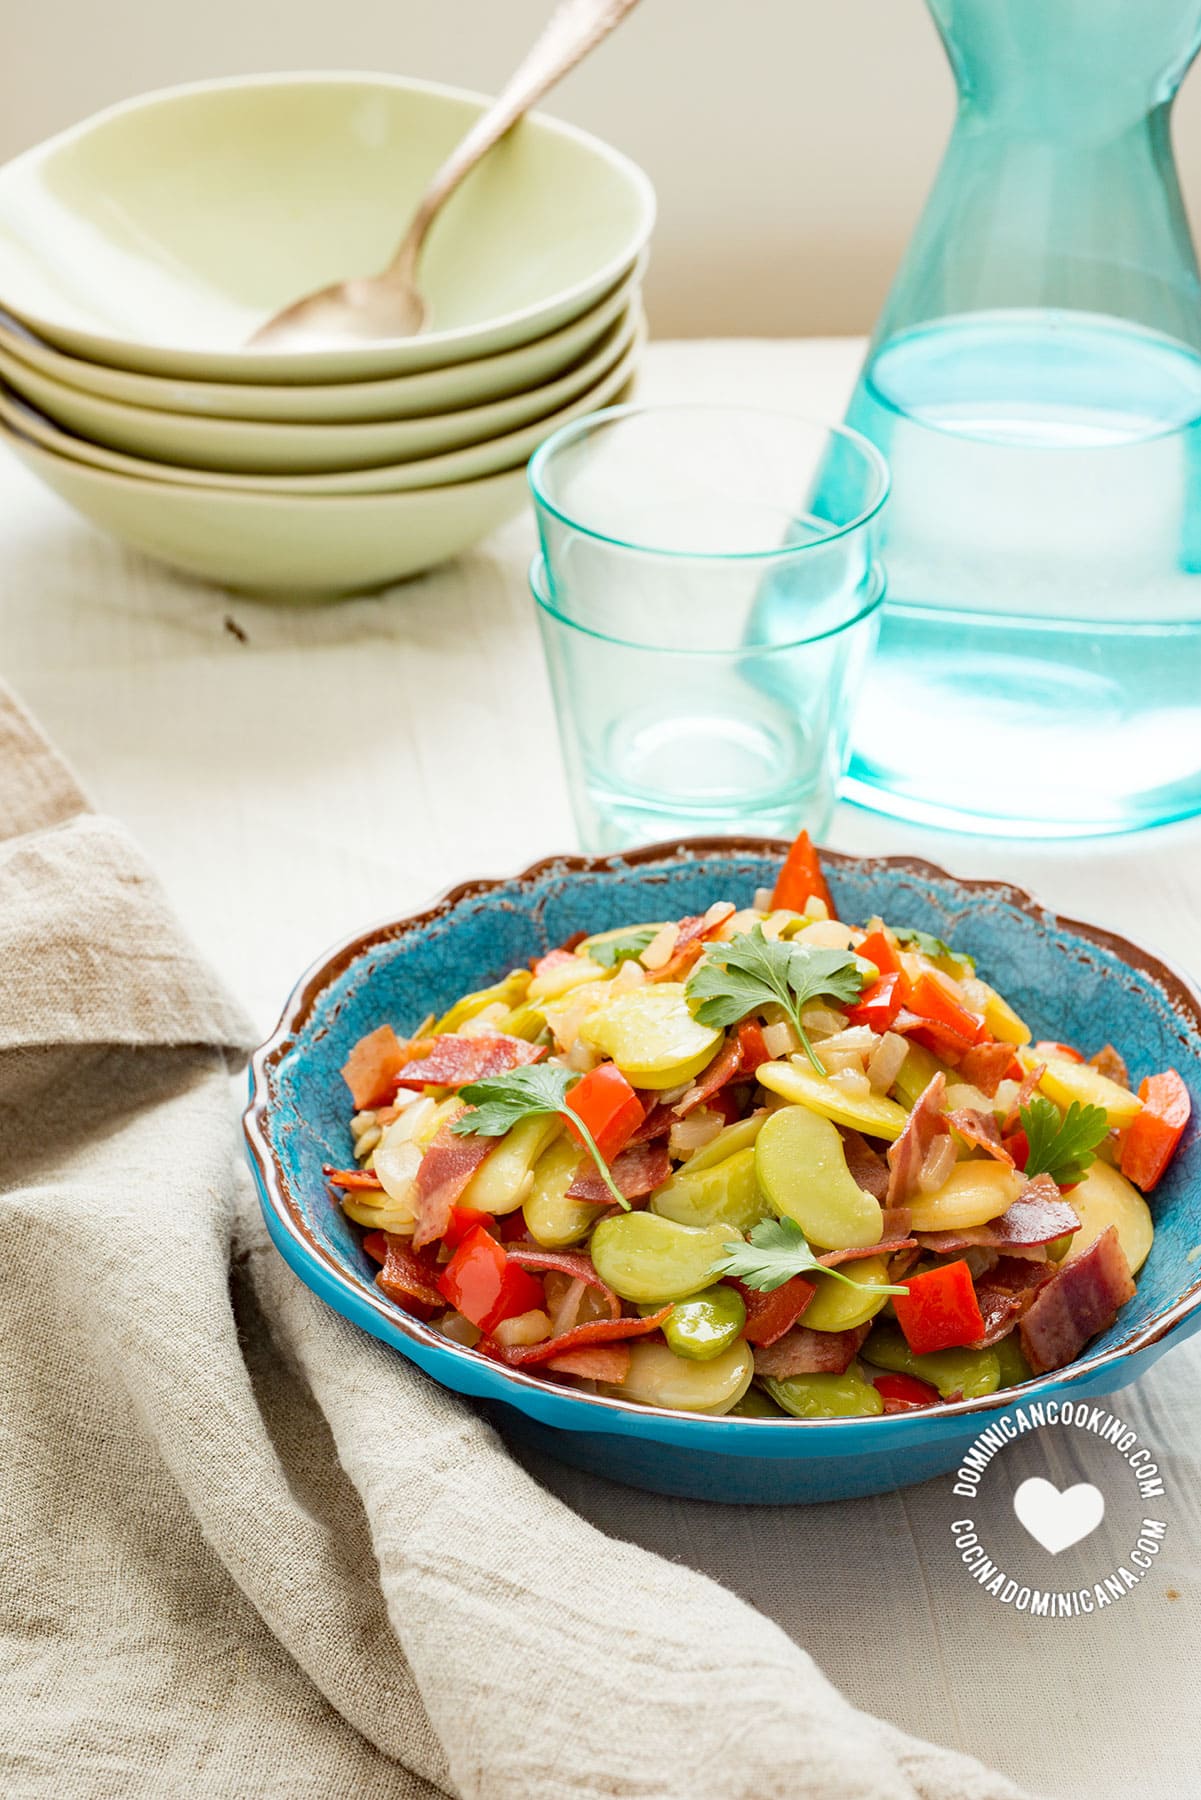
<point>791,141</point>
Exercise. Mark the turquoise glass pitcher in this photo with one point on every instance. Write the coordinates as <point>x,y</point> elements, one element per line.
<point>1035,382</point>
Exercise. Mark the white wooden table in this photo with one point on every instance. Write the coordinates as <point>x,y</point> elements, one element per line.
<point>294,773</point>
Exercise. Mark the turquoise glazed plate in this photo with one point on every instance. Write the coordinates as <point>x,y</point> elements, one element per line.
<point>1068,980</point>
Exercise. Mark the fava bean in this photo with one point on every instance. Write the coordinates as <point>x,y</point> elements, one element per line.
<point>702,1328</point>
<point>739,1136</point>
<point>1063,1081</point>
<point>1013,1365</point>
<point>967,1372</point>
<point>644,1257</point>
<point>727,1193</point>
<point>652,1036</point>
<point>509,993</point>
<point>503,1182</point>
<point>836,1306</point>
<point>564,976</point>
<point>802,1171</point>
<point>916,1073</point>
<point>554,1220</point>
<point>756,1404</point>
<point>872,1113</point>
<point>658,1377</point>
<point>973,1193</point>
<point>1105,1198</point>
<point>825,1396</point>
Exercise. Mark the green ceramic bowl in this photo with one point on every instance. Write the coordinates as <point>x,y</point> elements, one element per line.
<point>429,391</point>
<point>276,545</point>
<point>470,463</point>
<point>260,447</point>
<point>157,235</point>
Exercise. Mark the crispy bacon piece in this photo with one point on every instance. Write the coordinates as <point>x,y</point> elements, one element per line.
<point>905,1158</point>
<point>833,1259</point>
<point>724,1067</point>
<point>769,1316</point>
<point>657,1123</point>
<point>1006,1292</point>
<point>598,1362</point>
<point>986,1065</point>
<point>568,1262</point>
<point>371,1069</point>
<point>636,1172</point>
<point>444,1172</point>
<point>596,1331</point>
<point>979,1130</point>
<point>868,1168</point>
<point>455,1061</point>
<point>896,1221</point>
<point>691,936</point>
<point>1083,1299</point>
<point>1037,1216</point>
<point>1023,1097</point>
<point>351,1178</point>
<point>804,1352</point>
<point>407,1280</point>
<point>1112,1064</point>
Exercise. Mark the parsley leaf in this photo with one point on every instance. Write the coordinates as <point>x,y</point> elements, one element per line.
<point>530,1092</point>
<point>751,971</point>
<point>1062,1146</point>
<point>778,1250</point>
<point>626,948</point>
<point>923,941</point>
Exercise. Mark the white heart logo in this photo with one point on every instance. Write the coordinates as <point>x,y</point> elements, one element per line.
<point>1058,1520</point>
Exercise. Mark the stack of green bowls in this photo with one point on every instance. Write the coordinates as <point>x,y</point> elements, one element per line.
<point>140,250</point>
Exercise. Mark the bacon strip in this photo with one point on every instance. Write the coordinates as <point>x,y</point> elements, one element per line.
<point>444,1172</point>
<point>595,1331</point>
<point>371,1069</point>
<point>636,1172</point>
<point>868,1168</point>
<point>833,1259</point>
<point>598,1362</point>
<point>1083,1299</point>
<point>455,1061</point>
<point>986,1065</point>
<point>1005,1293</point>
<point>1023,1097</point>
<point>1112,1064</point>
<point>657,1123</point>
<point>568,1262</point>
<point>896,1221</point>
<point>905,1158</point>
<point>980,1130</point>
<point>351,1178</point>
<point>805,1352</point>
<point>769,1316</point>
<point>1037,1216</point>
<point>407,1280</point>
<point>723,1069</point>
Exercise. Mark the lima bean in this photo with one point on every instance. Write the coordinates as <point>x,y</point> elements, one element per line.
<point>727,1193</point>
<point>825,1396</point>
<point>838,1307</point>
<point>803,1086</point>
<point>967,1372</point>
<point>645,1258</point>
<point>553,1219</point>
<point>502,1183</point>
<point>732,1138</point>
<point>658,1377</point>
<point>652,1036</point>
<point>703,1327</point>
<point>802,1171</point>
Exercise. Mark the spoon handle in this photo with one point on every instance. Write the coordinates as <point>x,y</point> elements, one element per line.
<point>573,29</point>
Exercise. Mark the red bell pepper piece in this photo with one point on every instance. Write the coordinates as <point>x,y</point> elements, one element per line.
<point>1047,1047</point>
<point>877,949</point>
<point>1152,1137</point>
<point>463,1219</point>
<point>371,1069</point>
<point>1018,1146</point>
<point>904,1393</point>
<point>482,1283</point>
<point>752,1047</point>
<point>407,1279</point>
<point>376,1245</point>
<point>608,1106</point>
<point>930,1000</point>
<point>554,959</point>
<point>595,1331</point>
<point>879,1006</point>
<point>351,1178</point>
<point>769,1316</point>
<point>940,1310</point>
<point>801,877</point>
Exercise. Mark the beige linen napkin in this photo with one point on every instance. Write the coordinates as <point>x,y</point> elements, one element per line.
<point>246,1550</point>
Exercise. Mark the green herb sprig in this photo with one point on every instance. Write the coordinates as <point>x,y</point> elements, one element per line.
<point>533,1091</point>
<point>626,948</point>
<point>778,1250</point>
<point>751,971</point>
<point>1062,1145</point>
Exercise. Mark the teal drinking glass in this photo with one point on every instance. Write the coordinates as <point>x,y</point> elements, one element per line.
<point>1035,382</point>
<point>706,625</point>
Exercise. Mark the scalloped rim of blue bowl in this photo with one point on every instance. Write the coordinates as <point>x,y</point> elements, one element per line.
<point>361,1302</point>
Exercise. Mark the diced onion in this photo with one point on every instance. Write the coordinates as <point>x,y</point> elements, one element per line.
<point>669,1096</point>
<point>693,1133</point>
<point>940,1160</point>
<point>460,1330</point>
<point>487,1022</point>
<point>396,1164</point>
<point>841,1062</point>
<point>884,1063</point>
<point>780,1040</point>
<point>963,1094</point>
<point>773,925</point>
<point>658,952</point>
<point>630,975</point>
<point>860,1038</point>
<point>525,1328</point>
<point>826,934</point>
<point>762,900</point>
<point>823,1021</point>
<point>582,1057</point>
<point>852,1081</point>
<point>816,908</point>
<point>976,993</point>
<point>1005,1096</point>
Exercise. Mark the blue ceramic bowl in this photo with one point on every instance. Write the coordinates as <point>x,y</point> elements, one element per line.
<point>1068,980</point>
